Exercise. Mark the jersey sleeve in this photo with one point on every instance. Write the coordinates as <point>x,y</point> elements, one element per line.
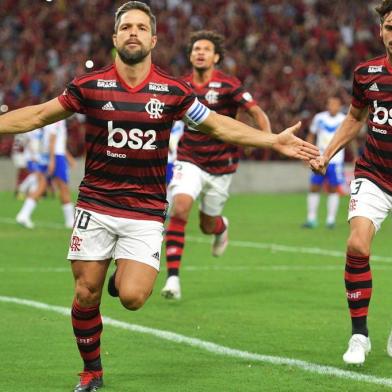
<point>72,98</point>
<point>358,95</point>
<point>241,96</point>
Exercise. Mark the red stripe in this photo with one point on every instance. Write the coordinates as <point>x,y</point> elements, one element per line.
<point>359,312</point>
<point>366,276</point>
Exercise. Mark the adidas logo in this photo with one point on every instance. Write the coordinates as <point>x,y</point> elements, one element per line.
<point>374,87</point>
<point>156,256</point>
<point>108,106</point>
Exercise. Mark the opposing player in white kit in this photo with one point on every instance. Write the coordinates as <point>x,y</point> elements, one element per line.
<point>52,164</point>
<point>129,106</point>
<point>323,128</point>
<point>371,190</point>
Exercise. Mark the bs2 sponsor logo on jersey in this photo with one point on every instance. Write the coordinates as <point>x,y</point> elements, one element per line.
<point>136,139</point>
<point>382,115</point>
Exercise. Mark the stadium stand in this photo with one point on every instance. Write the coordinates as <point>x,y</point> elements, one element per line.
<point>290,55</point>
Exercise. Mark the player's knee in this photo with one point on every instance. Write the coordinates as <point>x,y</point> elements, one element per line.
<point>87,295</point>
<point>133,300</point>
<point>356,246</point>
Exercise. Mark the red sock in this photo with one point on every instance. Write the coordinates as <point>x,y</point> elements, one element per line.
<point>358,281</point>
<point>87,326</point>
<point>219,225</point>
<point>175,240</point>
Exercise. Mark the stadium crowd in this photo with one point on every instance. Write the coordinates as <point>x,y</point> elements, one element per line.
<point>290,55</point>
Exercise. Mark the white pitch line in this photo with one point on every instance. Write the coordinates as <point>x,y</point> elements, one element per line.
<point>215,348</point>
<point>198,268</point>
<point>240,244</point>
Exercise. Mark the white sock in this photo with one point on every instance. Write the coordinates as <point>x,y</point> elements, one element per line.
<point>28,208</point>
<point>332,207</point>
<point>313,204</point>
<point>68,210</point>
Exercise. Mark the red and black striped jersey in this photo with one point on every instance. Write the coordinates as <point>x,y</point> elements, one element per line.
<point>372,88</point>
<point>225,95</point>
<point>127,136</point>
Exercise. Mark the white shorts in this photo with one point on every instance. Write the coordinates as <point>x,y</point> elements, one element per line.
<point>100,237</point>
<point>213,190</point>
<point>369,201</point>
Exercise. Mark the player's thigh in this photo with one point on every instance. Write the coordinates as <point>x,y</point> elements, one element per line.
<point>369,201</point>
<point>140,241</point>
<point>214,197</point>
<point>187,179</point>
<point>93,236</point>
<point>135,280</point>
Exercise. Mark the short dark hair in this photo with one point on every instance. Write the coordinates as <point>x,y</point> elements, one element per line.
<point>212,36</point>
<point>135,5</point>
<point>383,9</point>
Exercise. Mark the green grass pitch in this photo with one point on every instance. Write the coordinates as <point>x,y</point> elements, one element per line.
<point>278,291</point>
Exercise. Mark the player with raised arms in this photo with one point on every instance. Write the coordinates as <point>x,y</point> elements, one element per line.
<point>130,107</point>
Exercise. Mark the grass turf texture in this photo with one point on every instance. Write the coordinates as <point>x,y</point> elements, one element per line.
<point>279,303</point>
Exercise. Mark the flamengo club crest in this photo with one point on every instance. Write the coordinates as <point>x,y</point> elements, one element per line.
<point>155,108</point>
<point>212,97</point>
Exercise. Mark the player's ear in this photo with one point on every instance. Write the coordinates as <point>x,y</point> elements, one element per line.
<point>114,38</point>
<point>154,40</point>
<point>216,58</point>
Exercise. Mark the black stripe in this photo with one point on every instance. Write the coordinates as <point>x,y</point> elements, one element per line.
<point>373,167</point>
<point>130,161</point>
<point>367,284</point>
<point>75,91</point>
<point>85,315</point>
<point>379,136</point>
<point>122,192</point>
<point>363,303</point>
<point>126,179</point>
<point>90,347</point>
<point>82,333</point>
<point>175,233</point>
<point>170,243</point>
<point>385,154</point>
<point>173,258</point>
<point>357,271</point>
<point>148,211</point>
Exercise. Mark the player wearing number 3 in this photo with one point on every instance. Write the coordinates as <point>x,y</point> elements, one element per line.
<point>129,107</point>
<point>371,191</point>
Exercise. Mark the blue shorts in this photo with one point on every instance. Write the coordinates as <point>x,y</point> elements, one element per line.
<point>334,175</point>
<point>33,166</point>
<point>61,168</point>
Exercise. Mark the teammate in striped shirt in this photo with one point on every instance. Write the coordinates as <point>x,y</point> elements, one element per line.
<point>129,107</point>
<point>371,190</point>
<point>205,165</point>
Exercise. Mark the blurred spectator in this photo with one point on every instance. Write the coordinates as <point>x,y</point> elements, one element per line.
<point>292,55</point>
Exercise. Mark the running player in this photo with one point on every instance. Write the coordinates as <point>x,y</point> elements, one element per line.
<point>129,107</point>
<point>205,166</point>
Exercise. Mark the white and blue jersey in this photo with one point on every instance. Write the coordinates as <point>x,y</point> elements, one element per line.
<point>324,126</point>
<point>59,130</point>
<point>175,135</point>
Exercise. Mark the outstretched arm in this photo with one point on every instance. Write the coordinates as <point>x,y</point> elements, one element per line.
<point>349,129</point>
<point>32,117</point>
<point>235,132</point>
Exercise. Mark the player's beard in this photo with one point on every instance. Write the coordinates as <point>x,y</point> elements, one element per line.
<point>132,58</point>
